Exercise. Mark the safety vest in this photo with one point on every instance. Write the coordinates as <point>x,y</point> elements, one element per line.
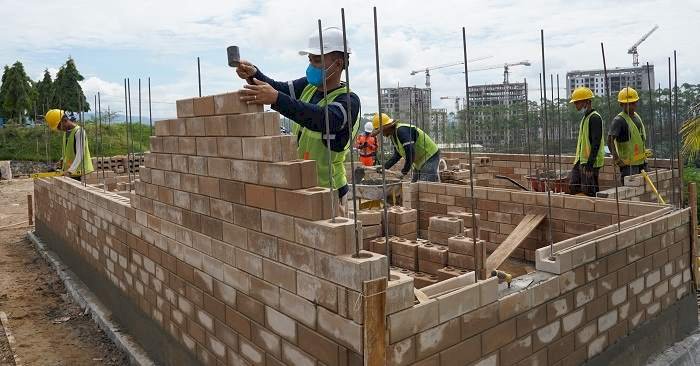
<point>371,144</point>
<point>424,147</point>
<point>583,146</point>
<point>632,151</point>
<point>310,143</point>
<point>69,153</point>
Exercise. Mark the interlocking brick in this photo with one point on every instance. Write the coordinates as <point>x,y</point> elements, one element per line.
<point>317,290</point>
<point>310,203</point>
<point>498,336</point>
<point>294,174</point>
<point>207,146</point>
<point>331,237</point>
<point>260,196</point>
<point>203,106</point>
<point>185,108</point>
<point>266,148</point>
<point>318,346</point>
<point>232,191</point>
<point>247,217</point>
<point>244,171</point>
<point>230,103</point>
<point>187,145</point>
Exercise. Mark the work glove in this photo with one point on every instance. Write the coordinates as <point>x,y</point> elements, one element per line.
<point>648,153</point>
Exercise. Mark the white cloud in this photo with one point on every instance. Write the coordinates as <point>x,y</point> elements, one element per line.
<point>414,34</point>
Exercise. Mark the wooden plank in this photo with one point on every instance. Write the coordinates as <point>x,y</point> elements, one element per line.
<point>420,295</point>
<point>374,330</point>
<point>505,249</point>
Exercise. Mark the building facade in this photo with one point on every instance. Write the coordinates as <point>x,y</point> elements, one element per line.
<point>408,104</point>
<point>636,77</point>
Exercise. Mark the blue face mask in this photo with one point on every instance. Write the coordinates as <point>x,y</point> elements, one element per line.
<point>314,75</point>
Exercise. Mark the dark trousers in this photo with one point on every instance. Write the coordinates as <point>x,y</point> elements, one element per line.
<point>580,182</point>
<point>628,170</point>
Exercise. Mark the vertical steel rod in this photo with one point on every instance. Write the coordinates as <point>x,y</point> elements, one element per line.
<point>670,127</point>
<point>610,114</point>
<point>140,133</point>
<point>328,128</point>
<point>559,125</point>
<point>381,142</point>
<point>546,157</point>
<point>150,110</point>
<point>84,138</point>
<point>653,118</point>
<point>102,159</point>
<point>130,147</point>
<point>350,123</point>
<point>199,77</point>
<point>527,129</point>
<point>676,132</point>
<point>467,122</point>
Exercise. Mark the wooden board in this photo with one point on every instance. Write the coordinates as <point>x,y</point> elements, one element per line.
<point>374,337</point>
<point>504,250</point>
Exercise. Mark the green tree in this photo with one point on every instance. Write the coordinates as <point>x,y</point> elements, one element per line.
<point>3,90</point>
<point>67,93</point>
<point>17,95</point>
<point>44,93</point>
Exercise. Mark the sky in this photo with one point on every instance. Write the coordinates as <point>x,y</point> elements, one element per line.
<point>160,39</point>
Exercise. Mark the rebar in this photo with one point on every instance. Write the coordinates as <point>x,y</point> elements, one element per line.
<point>467,122</point>
<point>150,110</point>
<point>559,124</point>
<point>670,129</point>
<point>381,143</point>
<point>130,133</point>
<point>546,157</point>
<point>140,130</point>
<point>615,167</point>
<point>527,129</point>
<point>653,129</point>
<point>99,128</point>
<point>676,132</point>
<point>328,128</point>
<point>350,123</point>
<point>199,78</point>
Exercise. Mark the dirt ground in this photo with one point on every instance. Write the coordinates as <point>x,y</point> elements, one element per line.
<point>48,328</point>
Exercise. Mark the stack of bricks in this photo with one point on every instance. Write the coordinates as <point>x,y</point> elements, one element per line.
<point>468,220</point>
<point>432,258</point>
<point>371,225</point>
<point>462,251</point>
<point>404,252</point>
<point>637,189</point>
<point>227,244</point>
<point>403,222</point>
<point>443,227</point>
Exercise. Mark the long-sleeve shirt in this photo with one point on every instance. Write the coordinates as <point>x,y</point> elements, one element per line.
<point>407,138</point>
<point>312,116</point>
<point>595,132</point>
<point>78,146</point>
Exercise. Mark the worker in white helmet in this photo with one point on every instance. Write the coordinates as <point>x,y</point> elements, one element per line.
<point>366,145</point>
<point>302,101</point>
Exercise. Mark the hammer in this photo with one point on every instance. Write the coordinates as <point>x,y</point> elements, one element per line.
<point>234,59</point>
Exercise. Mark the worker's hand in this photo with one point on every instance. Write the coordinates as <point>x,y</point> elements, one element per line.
<point>246,70</point>
<point>618,161</point>
<point>259,93</point>
<point>648,153</point>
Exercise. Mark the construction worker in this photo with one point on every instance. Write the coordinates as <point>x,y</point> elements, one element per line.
<point>76,160</point>
<point>589,148</point>
<point>366,144</point>
<point>302,101</point>
<point>411,143</point>
<point>627,135</point>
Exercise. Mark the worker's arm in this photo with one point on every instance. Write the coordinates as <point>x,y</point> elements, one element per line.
<point>393,160</point>
<point>78,152</point>
<point>595,132</point>
<point>407,138</point>
<point>292,88</point>
<point>618,131</point>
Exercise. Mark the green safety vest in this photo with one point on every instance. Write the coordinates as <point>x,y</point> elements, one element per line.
<point>310,143</point>
<point>424,147</point>
<point>69,154</point>
<point>632,151</point>
<point>583,146</point>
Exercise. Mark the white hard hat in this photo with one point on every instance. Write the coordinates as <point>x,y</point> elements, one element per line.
<point>369,127</point>
<point>332,42</point>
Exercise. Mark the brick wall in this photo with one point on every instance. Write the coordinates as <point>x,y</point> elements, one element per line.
<point>226,243</point>
<point>612,283</point>
<point>501,210</point>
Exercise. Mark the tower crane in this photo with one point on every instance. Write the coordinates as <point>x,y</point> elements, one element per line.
<point>457,99</point>
<point>505,67</point>
<point>429,68</point>
<point>633,50</point>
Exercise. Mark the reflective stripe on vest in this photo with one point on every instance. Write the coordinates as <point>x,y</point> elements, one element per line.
<point>310,143</point>
<point>424,146</point>
<point>69,153</point>
<point>583,146</point>
<point>632,151</point>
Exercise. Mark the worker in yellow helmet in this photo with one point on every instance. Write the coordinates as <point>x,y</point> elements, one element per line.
<point>411,143</point>
<point>76,159</point>
<point>627,136</point>
<point>589,148</point>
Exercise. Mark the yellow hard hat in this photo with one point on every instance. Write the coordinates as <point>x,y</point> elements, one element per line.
<point>53,117</point>
<point>627,95</point>
<point>581,93</point>
<point>386,120</point>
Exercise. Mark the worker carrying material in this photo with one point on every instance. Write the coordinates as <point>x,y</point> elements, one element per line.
<point>366,144</point>
<point>411,143</point>
<point>589,148</point>
<point>76,160</point>
<point>302,101</point>
<point>627,135</point>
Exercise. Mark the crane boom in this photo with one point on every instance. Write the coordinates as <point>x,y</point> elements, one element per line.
<point>633,49</point>
<point>429,68</point>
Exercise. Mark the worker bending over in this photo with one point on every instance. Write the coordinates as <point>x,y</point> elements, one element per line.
<point>411,143</point>
<point>589,148</point>
<point>76,160</point>
<point>627,135</point>
<point>366,144</point>
<point>302,101</point>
